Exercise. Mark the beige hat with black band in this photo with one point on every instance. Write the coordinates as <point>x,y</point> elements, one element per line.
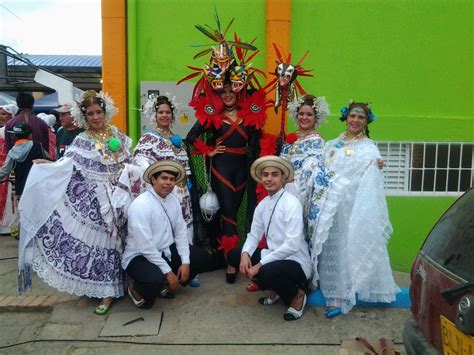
<point>164,165</point>
<point>64,108</point>
<point>274,162</point>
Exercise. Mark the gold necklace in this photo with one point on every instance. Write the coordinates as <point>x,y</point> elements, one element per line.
<point>166,132</point>
<point>101,139</point>
<point>343,142</point>
<point>303,133</point>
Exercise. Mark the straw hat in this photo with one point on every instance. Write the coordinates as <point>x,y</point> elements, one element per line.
<point>274,162</point>
<point>64,108</point>
<point>164,165</point>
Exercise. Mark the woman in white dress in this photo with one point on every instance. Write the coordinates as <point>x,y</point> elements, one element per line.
<point>354,262</point>
<point>71,235</point>
<point>308,113</point>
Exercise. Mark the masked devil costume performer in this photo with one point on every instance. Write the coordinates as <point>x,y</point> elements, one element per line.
<point>230,112</point>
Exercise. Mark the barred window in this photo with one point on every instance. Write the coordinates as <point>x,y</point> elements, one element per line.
<point>427,168</point>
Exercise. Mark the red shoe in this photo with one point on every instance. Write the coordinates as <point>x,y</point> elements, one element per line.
<point>252,287</point>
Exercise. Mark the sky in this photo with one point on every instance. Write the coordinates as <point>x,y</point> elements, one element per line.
<point>51,26</point>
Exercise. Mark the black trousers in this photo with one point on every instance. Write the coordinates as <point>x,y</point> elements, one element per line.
<point>149,280</point>
<point>285,277</point>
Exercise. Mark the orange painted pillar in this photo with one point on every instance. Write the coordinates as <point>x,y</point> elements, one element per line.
<point>278,32</point>
<point>114,64</point>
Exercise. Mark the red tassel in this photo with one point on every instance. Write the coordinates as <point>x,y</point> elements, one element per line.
<point>227,242</point>
<point>201,148</point>
<point>267,144</point>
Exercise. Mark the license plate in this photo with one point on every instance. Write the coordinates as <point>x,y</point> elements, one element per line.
<point>455,342</point>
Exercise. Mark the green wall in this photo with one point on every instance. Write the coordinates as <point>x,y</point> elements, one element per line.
<point>161,33</point>
<point>412,59</point>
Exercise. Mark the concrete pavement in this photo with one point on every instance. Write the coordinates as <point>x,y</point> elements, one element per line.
<point>214,318</point>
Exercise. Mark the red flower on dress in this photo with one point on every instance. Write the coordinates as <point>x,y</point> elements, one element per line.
<point>208,110</point>
<point>291,138</point>
<point>253,109</point>
<point>227,242</point>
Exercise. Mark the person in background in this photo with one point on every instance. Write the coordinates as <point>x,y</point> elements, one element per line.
<point>39,128</point>
<point>57,124</point>
<point>7,112</point>
<point>8,208</point>
<point>20,158</point>
<point>50,120</point>
<point>68,131</point>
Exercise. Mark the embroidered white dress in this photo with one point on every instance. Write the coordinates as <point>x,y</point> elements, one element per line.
<point>319,190</point>
<point>153,147</point>
<point>70,235</point>
<point>354,261</point>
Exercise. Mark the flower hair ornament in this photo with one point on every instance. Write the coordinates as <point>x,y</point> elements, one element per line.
<point>78,111</point>
<point>320,107</point>
<point>150,106</point>
<point>368,110</point>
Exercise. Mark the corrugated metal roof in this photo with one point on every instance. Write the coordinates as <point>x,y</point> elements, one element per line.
<point>91,61</point>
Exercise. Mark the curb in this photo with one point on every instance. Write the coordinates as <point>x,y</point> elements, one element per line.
<point>33,303</point>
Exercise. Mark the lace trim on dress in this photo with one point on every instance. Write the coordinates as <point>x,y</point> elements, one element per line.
<point>319,229</point>
<point>88,266</point>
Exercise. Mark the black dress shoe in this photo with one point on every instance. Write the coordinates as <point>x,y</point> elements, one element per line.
<point>230,277</point>
<point>167,294</point>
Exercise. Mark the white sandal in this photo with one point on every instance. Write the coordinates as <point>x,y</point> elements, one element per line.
<point>137,303</point>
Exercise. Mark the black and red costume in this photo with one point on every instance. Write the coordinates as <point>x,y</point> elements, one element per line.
<point>230,177</point>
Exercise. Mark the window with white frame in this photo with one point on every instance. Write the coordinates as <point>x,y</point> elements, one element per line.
<point>427,168</point>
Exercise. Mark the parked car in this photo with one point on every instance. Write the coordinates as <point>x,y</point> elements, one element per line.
<point>442,286</point>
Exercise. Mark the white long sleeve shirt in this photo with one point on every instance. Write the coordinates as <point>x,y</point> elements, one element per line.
<point>285,238</point>
<point>150,233</point>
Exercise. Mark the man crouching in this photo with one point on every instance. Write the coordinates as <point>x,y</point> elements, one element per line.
<point>157,255</point>
<point>285,266</point>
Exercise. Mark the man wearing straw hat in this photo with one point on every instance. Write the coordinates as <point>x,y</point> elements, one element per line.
<point>284,268</point>
<point>157,256</point>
